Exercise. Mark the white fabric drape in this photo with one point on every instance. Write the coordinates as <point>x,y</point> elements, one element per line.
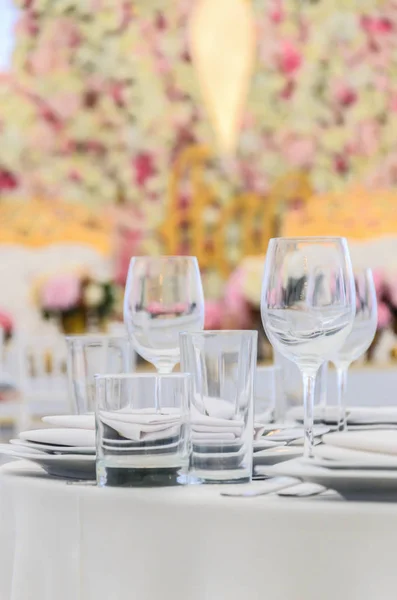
<point>70,542</point>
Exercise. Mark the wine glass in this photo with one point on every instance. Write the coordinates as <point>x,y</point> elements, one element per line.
<point>359,339</point>
<point>308,306</point>
<point>163,297</point>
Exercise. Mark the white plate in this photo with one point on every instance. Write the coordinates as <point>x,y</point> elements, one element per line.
<point>276,455</point>
<point>353,484</point>
<point>68,466</point>
<point>62,437</point>
<point>334,457</point>
<point>294,433</point>
<point>53,449</point>
<point>263,444</point>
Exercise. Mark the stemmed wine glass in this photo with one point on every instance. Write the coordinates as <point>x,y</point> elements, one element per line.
<point>163,297</point>
<point>359,339</point>
<point>308,306</point>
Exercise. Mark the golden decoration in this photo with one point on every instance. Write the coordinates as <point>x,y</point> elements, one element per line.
<point>256,217</point>
<point>37,223</point>
<point>356,213</point>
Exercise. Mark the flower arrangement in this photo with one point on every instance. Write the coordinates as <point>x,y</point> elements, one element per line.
<point>76,122</point>
<point>6,324</point>
<point>77,301</point>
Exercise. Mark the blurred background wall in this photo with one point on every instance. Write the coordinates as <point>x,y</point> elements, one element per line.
<point>147,126</point>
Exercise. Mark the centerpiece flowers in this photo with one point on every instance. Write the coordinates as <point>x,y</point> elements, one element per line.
<point>78,302</point>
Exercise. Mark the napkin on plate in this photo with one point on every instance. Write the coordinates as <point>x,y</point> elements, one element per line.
<point>71,421</point>
<point>384,442</point>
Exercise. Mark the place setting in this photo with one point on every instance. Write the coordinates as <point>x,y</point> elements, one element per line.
<point>222,419</point>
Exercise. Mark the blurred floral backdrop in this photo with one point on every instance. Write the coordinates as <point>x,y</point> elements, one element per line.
<point>102,97</point>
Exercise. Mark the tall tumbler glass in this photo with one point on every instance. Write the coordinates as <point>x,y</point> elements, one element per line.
<point>142,429</point>
<point>222,365</point>
<point>92,354</point>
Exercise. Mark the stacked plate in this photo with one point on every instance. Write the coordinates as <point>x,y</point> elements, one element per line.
<point>65,449</point>
<point>360,465</point>
<point>282,442</point>
<point>358,418</point>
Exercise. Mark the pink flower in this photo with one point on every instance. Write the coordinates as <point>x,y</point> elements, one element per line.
<point>376,25</point>
<point>214,313</point>
<point>6,322</point>
<point>277,13</point>
<point>367,137</point>
<point>62,292</point>
<point>64,104</point>
<point>384,316</point>
<point>144,168</point>
<point>235,304</point>
<point>8,181</point>
<point>379,282</point>
<point>299,152</point>
<point>344,94</point>
<point>289,57</point>
<point>393,103</point>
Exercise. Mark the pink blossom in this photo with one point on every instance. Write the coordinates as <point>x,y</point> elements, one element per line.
<point>289,57</point>
<point>144,168</point>
<point>214,313</point>
<point>235,304</point>
<point>6,322</point>
<point>344,94</point>
<point>379,282</point>
<point>384,315</point>
<point>159,309</point>
<point>61,292</point>
<point>64,104</point>
<point>376,25</point>
<point>393,103</point>
<point>367,137</point>
<point>8,181</point>
<point>277,13</point>
<point>299,152</point>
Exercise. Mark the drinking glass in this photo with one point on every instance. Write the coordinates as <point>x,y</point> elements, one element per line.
<point>359,339</point>
<point>92,354</point>
<point>142,429</point>
<point>163,297</point>
<point>269,398</point>
<point>222,365</point>
<point>308,306</point>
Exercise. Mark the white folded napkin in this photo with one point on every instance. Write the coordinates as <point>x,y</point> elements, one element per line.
<point>214,407</point>
<point>141,425</point>
<point>71,421</point>
<point>384,441</point>
<point>61,437</point>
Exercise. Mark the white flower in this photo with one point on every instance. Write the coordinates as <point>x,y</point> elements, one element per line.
<point>94,295</point>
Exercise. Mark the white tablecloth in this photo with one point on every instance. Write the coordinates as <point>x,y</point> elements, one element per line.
<point>70,542</point>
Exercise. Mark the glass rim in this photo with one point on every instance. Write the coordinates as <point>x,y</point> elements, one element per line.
<point>219,332</point>
<point>87,337</point>
<point>138,376</point>
<point>309,237</point>
<point>164,256</point>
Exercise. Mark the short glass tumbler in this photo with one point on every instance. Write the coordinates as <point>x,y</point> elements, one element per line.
<point>89,355</point>
<point>142,429</point>
<point>222,365</point>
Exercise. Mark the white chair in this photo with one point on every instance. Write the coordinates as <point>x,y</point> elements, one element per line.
<point>40,363</point>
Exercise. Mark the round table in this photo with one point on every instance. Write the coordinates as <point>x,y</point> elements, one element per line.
<point>76,542</point>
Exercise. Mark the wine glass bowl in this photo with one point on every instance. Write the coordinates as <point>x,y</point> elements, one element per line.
<point>163,297</point>
<point>308,305</point>
<point>360,337</point>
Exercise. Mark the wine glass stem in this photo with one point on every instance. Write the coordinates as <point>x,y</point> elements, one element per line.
<point>342,385</point>
<point>309,384</point>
